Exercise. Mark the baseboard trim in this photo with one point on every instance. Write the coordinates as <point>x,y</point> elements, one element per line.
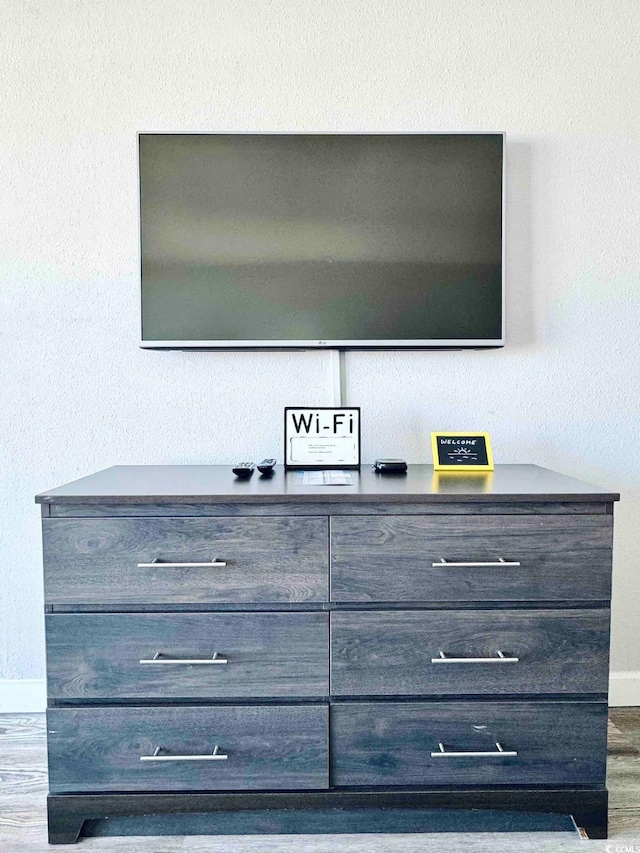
<point>29,695</point>
<point>624,689</point>
<point>22,695</point>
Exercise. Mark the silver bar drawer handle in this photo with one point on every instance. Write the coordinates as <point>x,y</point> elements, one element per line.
<point>216,755</point>
<point>473,564</point>
<point>160,564</point>
<point>500,751</point>
<point>159,658</point>
<point>501,658</point>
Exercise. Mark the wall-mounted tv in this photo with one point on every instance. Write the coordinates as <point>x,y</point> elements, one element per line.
<point>322,240</point>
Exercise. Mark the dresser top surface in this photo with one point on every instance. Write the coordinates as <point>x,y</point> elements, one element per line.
<point>217,484</point>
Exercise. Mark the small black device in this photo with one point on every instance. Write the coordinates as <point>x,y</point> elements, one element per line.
<point>244,469</point>
<point>390,466</point>
<point>266,466</point>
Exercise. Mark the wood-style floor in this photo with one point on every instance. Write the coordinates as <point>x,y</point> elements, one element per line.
<point>23,816</point>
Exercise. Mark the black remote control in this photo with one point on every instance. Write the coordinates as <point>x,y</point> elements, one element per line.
<point>266,466</point>
<point>244,469</point>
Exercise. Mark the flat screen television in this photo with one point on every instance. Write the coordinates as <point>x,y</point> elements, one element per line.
<point>322,240</point>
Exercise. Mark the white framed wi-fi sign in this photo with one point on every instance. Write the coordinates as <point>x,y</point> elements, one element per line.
<point>322,438</point>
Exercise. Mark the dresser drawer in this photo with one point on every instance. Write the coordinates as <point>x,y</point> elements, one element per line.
<point>384,744</point>
<point>187,655</point>
<point>481,652</point>
<point>277,747</point>
<point>111,560</point>
<point>471,558</point>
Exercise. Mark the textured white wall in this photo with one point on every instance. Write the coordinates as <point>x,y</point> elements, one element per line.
<point>81,78</point>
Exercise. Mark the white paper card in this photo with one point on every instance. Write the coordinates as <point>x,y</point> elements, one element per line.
<point>324,478</point>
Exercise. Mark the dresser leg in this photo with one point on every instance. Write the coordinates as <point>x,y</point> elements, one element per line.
<point>594,824</point>
<point>594,821</point>
<point>64,825</point>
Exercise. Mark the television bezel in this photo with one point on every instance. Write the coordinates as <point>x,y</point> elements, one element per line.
<point>416,344</point>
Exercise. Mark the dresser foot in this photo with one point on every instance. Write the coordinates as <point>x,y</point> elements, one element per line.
<point>64,824</point>
<point>592,824</point>
<point>591,815</point>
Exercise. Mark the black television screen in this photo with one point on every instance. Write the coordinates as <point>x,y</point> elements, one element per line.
<point>321,240</point>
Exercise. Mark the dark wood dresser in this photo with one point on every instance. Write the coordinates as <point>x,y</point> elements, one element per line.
<point>407,642</point>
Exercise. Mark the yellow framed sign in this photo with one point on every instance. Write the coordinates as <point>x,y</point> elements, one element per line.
<point>461,451</point>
